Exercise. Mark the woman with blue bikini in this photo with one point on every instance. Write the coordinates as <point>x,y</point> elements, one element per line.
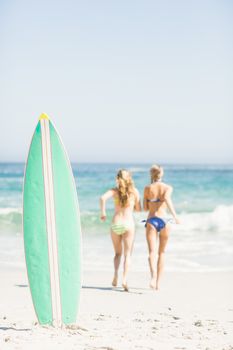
<point>126,200</point>
<point>157,198</point>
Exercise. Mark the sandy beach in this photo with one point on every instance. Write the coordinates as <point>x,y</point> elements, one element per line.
<point>191,311</point>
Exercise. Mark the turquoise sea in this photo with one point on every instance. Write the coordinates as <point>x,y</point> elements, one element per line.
<point>203,197</point>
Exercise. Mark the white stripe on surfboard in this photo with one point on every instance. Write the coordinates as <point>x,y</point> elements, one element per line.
<point>54,233</point>
<point>50,223</point>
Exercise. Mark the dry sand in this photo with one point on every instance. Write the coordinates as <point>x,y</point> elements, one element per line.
<point>191,311</point>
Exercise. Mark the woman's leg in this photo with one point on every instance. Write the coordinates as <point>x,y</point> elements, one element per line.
<point>128,238</point>
<point>151,236</point>
<point>117,244</point>
<point>163,238</point>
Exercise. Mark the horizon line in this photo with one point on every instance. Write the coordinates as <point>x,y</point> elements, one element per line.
<point>133,163</point>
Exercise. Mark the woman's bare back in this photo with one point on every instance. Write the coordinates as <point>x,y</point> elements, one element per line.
<point>155,198</point>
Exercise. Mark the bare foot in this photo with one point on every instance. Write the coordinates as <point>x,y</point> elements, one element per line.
<point>114,281</point>
<point>125,286</point>
<point>153,284</point>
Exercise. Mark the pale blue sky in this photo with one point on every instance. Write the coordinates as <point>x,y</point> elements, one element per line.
<point>122,80</point>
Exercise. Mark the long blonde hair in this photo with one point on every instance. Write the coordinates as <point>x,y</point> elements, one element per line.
<point>156,172</point>
<point>125,186</point>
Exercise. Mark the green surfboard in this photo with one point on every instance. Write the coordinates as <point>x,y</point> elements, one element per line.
<point>52,231</point>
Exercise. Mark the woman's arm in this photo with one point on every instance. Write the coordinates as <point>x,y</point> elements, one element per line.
<point>137,206</point>
<point>145,202</point>
<point>168,201</point>
<point>103,200</point>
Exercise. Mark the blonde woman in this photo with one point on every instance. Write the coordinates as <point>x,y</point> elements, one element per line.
<point>126,200</point>
<point>157,198</point>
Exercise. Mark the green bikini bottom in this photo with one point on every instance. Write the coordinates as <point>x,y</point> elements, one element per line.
<point>120,228</point>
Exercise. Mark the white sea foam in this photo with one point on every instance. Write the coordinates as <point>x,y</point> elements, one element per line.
<point>221,219</point>
<point>7,211</point>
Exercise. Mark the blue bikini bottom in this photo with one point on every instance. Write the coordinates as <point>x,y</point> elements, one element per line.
<point>157,222</point>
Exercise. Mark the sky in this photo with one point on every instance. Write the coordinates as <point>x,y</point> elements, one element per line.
<point>123,81</point>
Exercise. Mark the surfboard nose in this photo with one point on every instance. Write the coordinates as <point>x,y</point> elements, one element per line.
<point>44,116</point>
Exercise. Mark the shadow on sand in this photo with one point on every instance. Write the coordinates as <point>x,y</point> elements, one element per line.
<point>15,329</point>
<point>121,290</point>
<point>21,285</point>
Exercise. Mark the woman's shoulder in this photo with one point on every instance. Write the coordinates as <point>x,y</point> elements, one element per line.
<point>147,187</point>
<point>114,190</point>
<point>166,189</point>
<point>166,186</point>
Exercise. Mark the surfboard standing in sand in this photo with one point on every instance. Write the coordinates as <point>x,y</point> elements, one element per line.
<point>52,231</point>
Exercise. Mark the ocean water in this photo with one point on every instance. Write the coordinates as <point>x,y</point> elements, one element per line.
<point>203,197</point>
